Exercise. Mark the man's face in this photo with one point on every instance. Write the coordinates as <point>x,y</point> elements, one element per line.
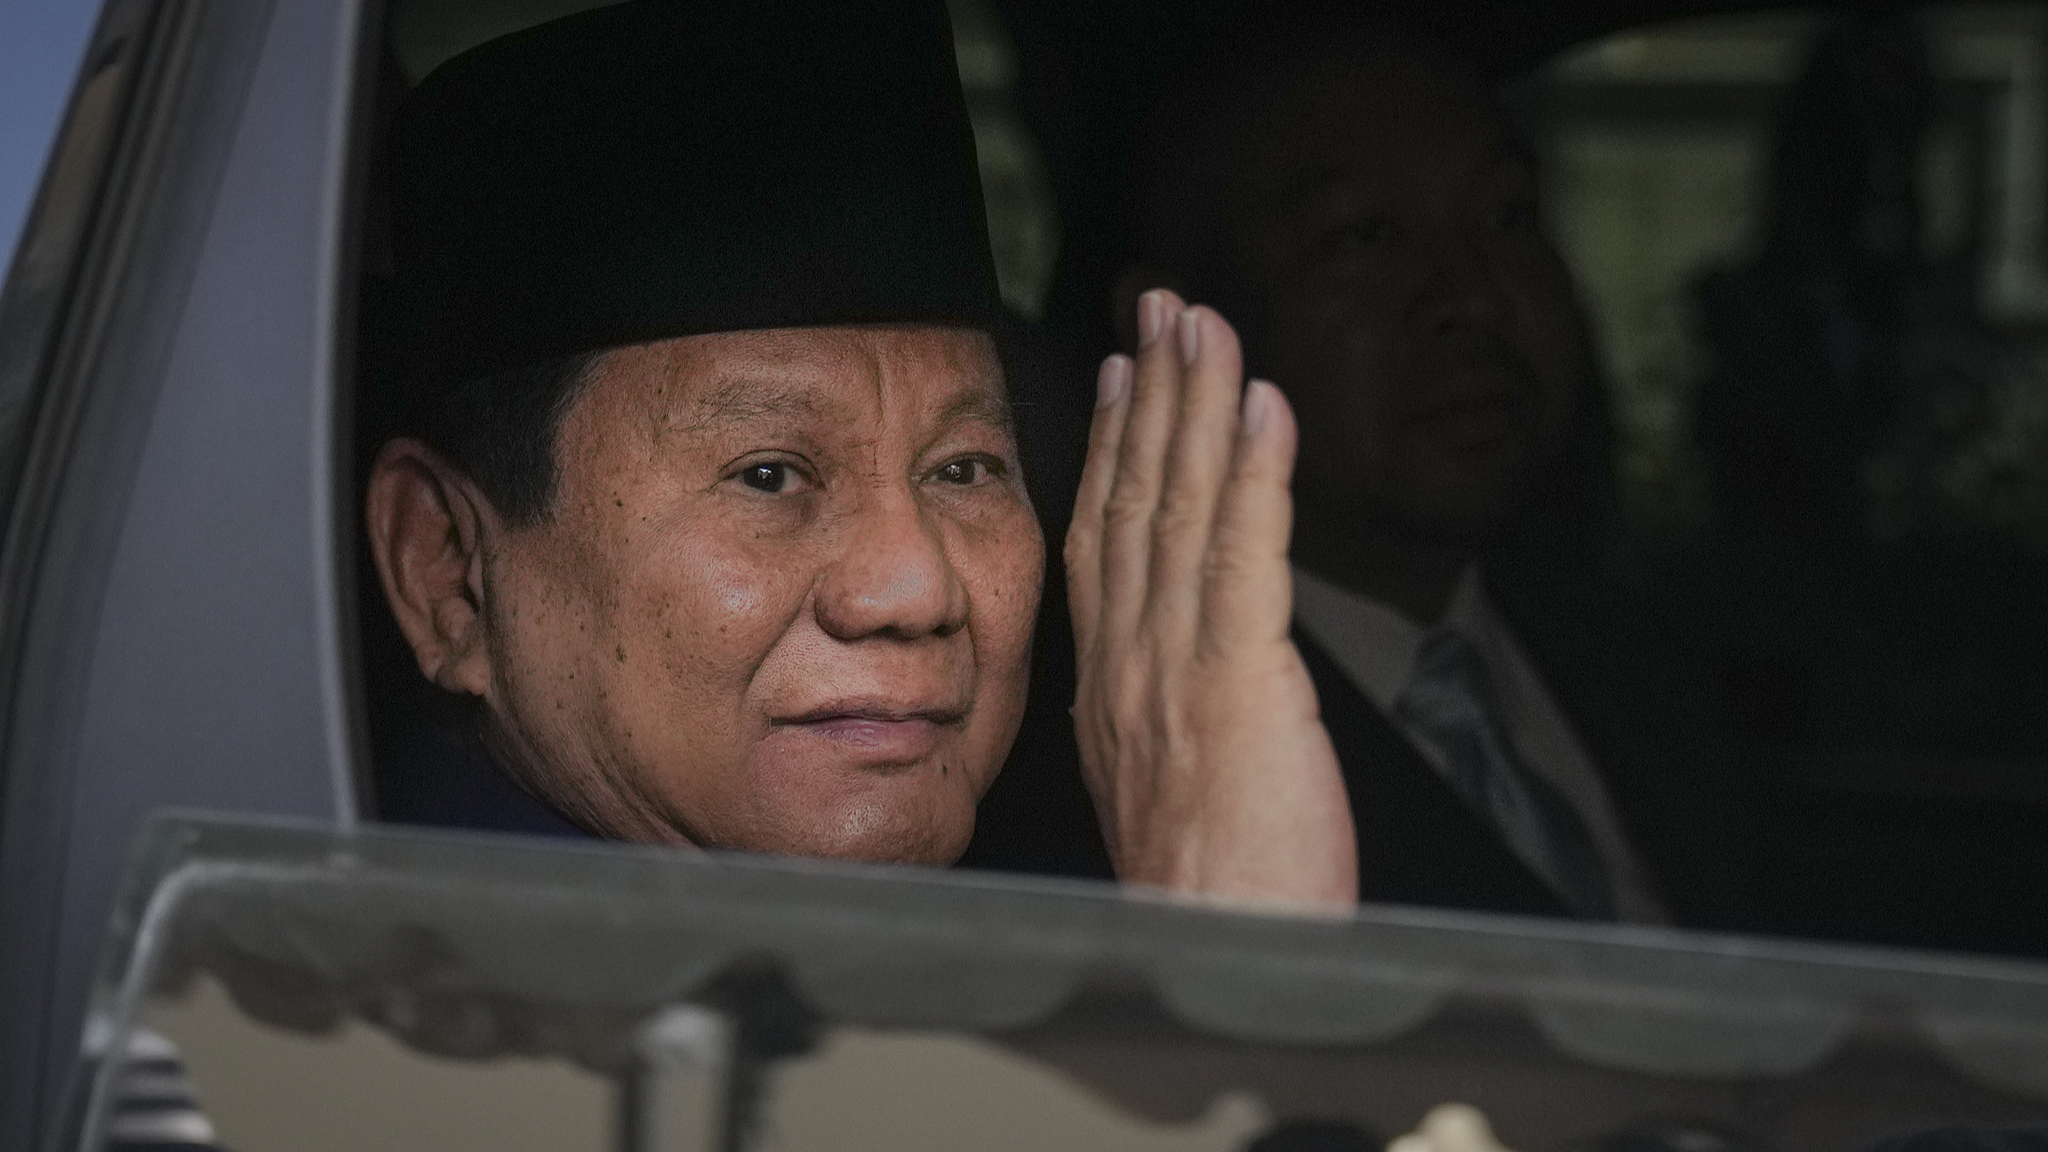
<point>784,597</point>
<point>1419,320</point>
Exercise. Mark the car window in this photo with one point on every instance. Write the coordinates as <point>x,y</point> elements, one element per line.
<point>1023,220</point>
<point>1657,146</point>
<point>1834,466</point>
<point>1837,530</point>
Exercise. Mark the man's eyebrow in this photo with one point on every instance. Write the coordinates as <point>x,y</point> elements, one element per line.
<point>983,407</point>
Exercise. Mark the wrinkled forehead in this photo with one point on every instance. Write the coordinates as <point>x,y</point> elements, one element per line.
<point>843,376</point>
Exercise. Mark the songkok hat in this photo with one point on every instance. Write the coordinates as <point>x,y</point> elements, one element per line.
<point>657,169</point>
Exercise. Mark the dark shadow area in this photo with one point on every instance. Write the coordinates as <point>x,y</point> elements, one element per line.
<point>1860,668</point>
<point>1868,597</point>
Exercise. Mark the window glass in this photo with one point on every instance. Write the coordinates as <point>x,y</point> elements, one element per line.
<point>1657,144</point>
<point>313,989</point>
<point>257,1086</point>
<point>1023,224</point>
<point>1810,250</point>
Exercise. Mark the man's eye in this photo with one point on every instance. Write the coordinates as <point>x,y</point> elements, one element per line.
<point>771,477</point>
<point>966,471</point>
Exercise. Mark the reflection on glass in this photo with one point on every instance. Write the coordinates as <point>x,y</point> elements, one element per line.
<point>1023,223</point>
<point>264,1088</point>
<point>1657,150</point>
<point>1811,250</point>
<point>326,990</point>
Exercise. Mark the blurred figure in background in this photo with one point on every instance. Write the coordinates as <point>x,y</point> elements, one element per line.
<point>1810,341</point>
<point>1354,201</point>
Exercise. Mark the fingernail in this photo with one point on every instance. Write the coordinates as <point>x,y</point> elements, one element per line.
<point>1190,336</point>
<point>1113,383</point>
<point>1151,317</point>
<point>1258,406</point>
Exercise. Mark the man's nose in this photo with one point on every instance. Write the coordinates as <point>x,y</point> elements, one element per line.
<point>893,576</point>
<point>1463,285</point>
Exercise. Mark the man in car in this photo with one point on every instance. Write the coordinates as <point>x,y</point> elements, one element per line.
<point>706,495</point>
<point>1498,732</point>
<point>702,499</point>
<point>702,491</point>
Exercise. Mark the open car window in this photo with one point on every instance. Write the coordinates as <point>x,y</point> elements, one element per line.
<point>1826,498</point>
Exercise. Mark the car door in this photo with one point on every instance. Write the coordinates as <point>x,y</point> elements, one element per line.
<point>167,366</point>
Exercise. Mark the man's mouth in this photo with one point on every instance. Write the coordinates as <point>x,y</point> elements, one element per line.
<point>886,732</point>
<point>1475,407</point>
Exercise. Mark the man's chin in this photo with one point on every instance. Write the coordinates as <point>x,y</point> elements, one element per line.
<point>879,833</point>
<point>903,814</point>
<point>1465,502</point>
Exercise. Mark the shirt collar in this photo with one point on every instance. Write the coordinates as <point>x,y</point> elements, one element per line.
<point>1372,641</point>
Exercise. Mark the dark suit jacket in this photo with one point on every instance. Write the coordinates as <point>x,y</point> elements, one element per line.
<point>1668,766</point>
<point>1418,843</point>
<point>1682,786</point>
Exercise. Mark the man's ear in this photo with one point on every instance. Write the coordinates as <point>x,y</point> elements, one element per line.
<point>1137,280</point>
<point>426,521</point>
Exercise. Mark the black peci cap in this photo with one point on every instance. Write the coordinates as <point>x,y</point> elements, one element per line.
<point>664,168</point>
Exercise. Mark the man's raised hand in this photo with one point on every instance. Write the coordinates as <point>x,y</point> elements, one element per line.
<point>1200,735</point>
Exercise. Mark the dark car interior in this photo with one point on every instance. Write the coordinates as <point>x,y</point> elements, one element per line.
<point>1832,518</point>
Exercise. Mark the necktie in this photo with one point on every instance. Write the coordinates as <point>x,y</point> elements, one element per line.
<point>1449,698</point>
